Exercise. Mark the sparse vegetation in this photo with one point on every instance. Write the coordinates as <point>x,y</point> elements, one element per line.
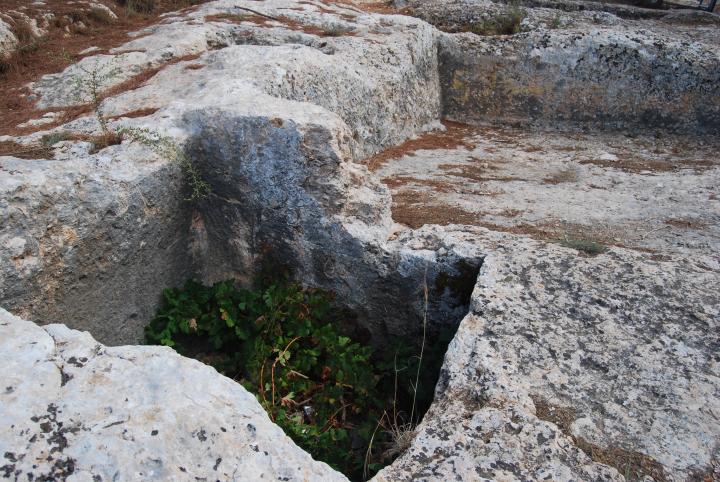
<point>106,139</point>
<point>89,89</point>
<point>63,56</point>
<point>555,23</point>
<point>635,466</point>
<point>586,246</point>
<point>5,65</point>
<point>138,6</point>
<point>73,28</point>
<point>336,30</point>
<point>27,41</point>
<point>562,176</point>
<point>151,6</point>
<point>100,16</point>
<point>49,140</point>
<point>167,148</point>
<point>336,398</point>
<point>10,148</point>
<point>506,23</point>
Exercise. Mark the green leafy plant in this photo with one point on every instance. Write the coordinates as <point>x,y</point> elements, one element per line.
<point>280,343</point>
<point>350,407</point>
<point>167,148</point>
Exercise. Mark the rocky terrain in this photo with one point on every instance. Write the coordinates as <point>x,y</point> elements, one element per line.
<point>548,169</point>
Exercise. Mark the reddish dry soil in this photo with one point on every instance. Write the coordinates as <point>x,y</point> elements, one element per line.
<point>60,47</point>
<point>455,135</point>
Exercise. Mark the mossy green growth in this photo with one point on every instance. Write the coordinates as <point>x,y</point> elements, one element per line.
<point>587,246</point>
<point>282,344</point>
<point>506,23</point>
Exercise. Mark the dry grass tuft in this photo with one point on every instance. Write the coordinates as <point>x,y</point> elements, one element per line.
<point>506,23</point>
<point>9,148</point>
<point>635,466</point>
<point>401,437</point>
<point>106,139</point>
<point>563,176</point>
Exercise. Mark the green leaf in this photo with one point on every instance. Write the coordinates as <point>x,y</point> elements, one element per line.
<point>241,333</point>
<point>225,316</point>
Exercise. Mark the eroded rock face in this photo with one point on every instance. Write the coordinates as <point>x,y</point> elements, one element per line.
<point>617,352</point>
<point>576,68</point>
<point>276,125</point>
<point>567,367</point>
<point>90,235</point>
<point>73,408</point>
<point>8,41</point>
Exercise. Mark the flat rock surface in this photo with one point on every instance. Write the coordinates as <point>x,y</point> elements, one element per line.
<point>617,351</point>
<point>659,195</point>
<point>74,409</point>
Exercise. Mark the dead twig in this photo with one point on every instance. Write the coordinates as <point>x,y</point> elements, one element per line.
<point>259,13</point>
<point>272,371</point>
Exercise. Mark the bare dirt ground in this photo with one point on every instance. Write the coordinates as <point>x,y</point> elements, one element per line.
<point>53,34</point>
<point>660,195</point>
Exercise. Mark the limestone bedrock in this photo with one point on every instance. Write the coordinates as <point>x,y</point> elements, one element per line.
<point>73,409</point>
<point>311,125</point>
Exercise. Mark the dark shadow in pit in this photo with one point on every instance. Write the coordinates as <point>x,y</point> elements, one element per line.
<point>275,207</point>
<point>359,407</point>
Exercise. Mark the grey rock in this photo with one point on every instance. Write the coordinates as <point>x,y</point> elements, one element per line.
<point>77,410</point>
<point>618,352</point>
<point>620,74</point>
<point>561,357</point>
<point>8,41</point>
<point>75,246</point>
<point>641,192</point>
<point>276,128</point>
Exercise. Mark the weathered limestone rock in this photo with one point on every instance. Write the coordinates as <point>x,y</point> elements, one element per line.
<point>73,408</point>
<point>378,73</point>
<point>567,367</point>
<point>275,126</point>
<point>92,236</point>
<point>617,351</point>
<point>642,192</point>
<point>591,69</point>
<point>8,41</point>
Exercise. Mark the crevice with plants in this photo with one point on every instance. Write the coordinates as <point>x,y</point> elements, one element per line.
<point>348,404</point>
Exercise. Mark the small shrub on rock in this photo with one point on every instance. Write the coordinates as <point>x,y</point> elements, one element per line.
<point>507,23</point>
<point>586,246</point>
